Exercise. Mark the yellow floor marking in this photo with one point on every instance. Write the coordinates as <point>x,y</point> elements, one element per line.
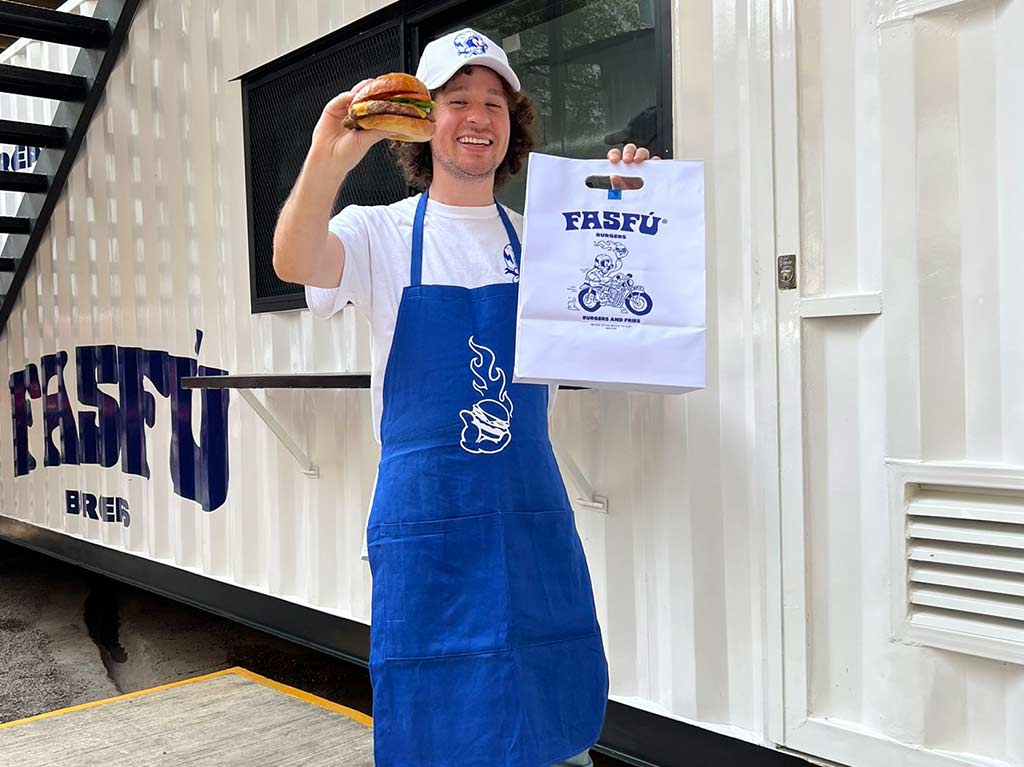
<point>309,697</point>
<point>237,671</point>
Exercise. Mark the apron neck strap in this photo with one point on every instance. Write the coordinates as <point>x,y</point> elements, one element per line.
<point>416,265</point>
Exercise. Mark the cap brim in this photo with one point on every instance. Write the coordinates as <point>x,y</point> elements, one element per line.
<point>482,60</point>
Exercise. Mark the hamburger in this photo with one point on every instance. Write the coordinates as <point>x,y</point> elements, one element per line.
<point>395,103</point>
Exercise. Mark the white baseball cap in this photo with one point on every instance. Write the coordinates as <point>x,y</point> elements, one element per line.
<point>445,56</point>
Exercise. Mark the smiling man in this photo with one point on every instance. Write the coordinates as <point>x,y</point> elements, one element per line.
<point>485,645</point>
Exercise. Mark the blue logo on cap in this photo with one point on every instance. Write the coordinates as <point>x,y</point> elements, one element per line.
<point>470,43</point>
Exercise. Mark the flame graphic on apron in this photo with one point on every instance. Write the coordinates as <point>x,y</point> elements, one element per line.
<point>486,427</point>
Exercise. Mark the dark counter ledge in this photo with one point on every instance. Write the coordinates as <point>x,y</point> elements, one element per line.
<point>292,381</point>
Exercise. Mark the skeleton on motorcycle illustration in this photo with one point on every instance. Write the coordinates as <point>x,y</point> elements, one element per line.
<point>605,285</point>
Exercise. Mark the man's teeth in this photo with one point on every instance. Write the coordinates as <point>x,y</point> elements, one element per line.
<point>468,140</point>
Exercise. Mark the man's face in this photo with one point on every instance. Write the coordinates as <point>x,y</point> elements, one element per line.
<point>472,125</point>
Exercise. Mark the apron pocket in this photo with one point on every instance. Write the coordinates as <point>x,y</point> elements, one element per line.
<point>450,596</point>
<point>551,597</point>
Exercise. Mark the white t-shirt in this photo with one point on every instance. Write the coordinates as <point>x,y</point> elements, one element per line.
<point>464,246</point>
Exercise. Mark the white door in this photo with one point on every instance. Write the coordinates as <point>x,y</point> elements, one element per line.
<point>899,153</point>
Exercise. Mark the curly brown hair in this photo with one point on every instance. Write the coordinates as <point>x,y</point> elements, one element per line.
<point>416,161</point>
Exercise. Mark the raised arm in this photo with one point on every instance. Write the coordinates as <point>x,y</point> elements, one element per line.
<point>304,251</point>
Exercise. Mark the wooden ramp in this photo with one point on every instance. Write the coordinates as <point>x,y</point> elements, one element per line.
<point>232,717</point>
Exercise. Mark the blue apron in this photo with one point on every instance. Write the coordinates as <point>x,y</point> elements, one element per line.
<point>485,647</point>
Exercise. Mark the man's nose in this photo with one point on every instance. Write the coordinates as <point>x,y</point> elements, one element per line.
<point>477,115</point>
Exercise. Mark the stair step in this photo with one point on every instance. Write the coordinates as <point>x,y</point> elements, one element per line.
<point>33,134</point>
<point>19,20</point>
<point>42,83</point>
<point>89,91</point>
<point>12,181</point>
<point>14,225</point>
<point>8,264</point>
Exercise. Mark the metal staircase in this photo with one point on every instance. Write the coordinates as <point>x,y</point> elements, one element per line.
<point>100,39</point>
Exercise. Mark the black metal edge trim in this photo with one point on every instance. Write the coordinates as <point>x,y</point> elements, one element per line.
<point>261,305</point>
<point>438,11</point>
<point>250,215</point>
<point>321,46</point>
<point>644,739</point>
<point>280,381</point>
<point>630,734</point>
<point>339,637</point>
<point>99,84</point>
<point>294,381</point>
<point>663,45</point>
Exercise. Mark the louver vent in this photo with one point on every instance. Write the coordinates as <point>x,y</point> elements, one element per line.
<point>962,567</point>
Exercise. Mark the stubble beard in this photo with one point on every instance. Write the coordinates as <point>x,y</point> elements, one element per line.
<point>456,171</point>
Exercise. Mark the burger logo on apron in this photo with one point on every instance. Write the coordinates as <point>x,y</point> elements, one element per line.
<point>486,427</point>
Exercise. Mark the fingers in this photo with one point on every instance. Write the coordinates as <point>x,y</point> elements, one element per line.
<point>630,153</point>
<point>338,106</point>
<point>368,138</point>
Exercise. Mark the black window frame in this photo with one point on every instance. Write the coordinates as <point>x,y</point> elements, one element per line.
<point>300,57</point>
<point>416,20</point>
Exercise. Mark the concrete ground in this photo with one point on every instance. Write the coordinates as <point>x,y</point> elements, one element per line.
<point>68,636</point>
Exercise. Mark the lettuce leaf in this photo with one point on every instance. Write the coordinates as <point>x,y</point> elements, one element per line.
<point>422,104</point>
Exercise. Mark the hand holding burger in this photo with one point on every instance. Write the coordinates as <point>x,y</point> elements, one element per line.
<point>346,131</point>
<point>396,103</point>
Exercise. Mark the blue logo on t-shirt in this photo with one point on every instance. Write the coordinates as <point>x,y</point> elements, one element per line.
<point>511,264</point>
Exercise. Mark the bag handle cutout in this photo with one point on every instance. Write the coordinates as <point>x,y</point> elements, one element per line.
<point>615,184</point>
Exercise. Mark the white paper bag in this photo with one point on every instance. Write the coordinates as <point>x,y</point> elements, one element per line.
<point>611,289</point>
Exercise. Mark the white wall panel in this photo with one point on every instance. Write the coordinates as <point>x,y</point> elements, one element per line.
<point>678,559</point>
<point>149,244</point>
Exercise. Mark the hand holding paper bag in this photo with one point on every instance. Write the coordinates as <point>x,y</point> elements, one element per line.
<point>629,154</point>
<point>611,292</point>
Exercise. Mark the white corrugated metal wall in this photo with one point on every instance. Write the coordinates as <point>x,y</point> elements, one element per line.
<point>149,244</point>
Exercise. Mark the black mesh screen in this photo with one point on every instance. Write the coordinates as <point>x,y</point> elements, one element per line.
<point>282,111</point>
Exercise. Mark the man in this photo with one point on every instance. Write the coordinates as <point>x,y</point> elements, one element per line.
<point>485,651</point>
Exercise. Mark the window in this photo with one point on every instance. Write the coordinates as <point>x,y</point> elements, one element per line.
<point>281,104</point>
<point>598,70</point>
